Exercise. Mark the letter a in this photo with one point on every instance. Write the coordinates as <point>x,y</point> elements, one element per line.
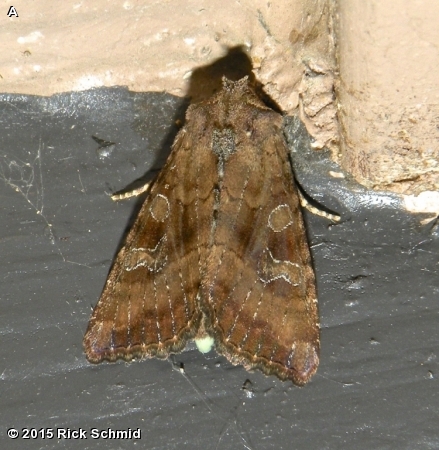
<point>12,11</point>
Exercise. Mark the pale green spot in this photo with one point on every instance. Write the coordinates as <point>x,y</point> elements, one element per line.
<point>204,344</point>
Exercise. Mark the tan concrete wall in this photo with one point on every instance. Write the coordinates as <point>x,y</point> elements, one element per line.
<point>388,93</point>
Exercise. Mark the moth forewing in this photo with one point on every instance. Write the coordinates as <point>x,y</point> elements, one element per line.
<point>148,306</point>
<point>262,303</point>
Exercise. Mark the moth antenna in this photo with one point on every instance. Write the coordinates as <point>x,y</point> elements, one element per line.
<point>134,193</point>
<point>316,211</point>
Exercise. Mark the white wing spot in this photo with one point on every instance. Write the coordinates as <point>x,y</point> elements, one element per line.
<point>271,269</point>
<point>280,218</point>
<point>154,259</point>
<point>160,208</point>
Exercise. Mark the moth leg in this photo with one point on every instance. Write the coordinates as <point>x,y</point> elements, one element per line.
<point>133,193</point>
<point>318,212</point>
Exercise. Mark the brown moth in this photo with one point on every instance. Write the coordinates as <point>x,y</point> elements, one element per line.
<point>218,249</point>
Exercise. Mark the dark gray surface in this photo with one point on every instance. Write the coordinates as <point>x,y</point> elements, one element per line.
<point>377,384</point>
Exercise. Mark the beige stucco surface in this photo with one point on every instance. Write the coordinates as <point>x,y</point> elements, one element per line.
<point>388,93</point>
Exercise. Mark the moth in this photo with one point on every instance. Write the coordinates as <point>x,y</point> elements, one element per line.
<point>218,250</point>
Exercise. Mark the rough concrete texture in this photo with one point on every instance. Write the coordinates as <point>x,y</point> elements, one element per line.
<point>388,94</point>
